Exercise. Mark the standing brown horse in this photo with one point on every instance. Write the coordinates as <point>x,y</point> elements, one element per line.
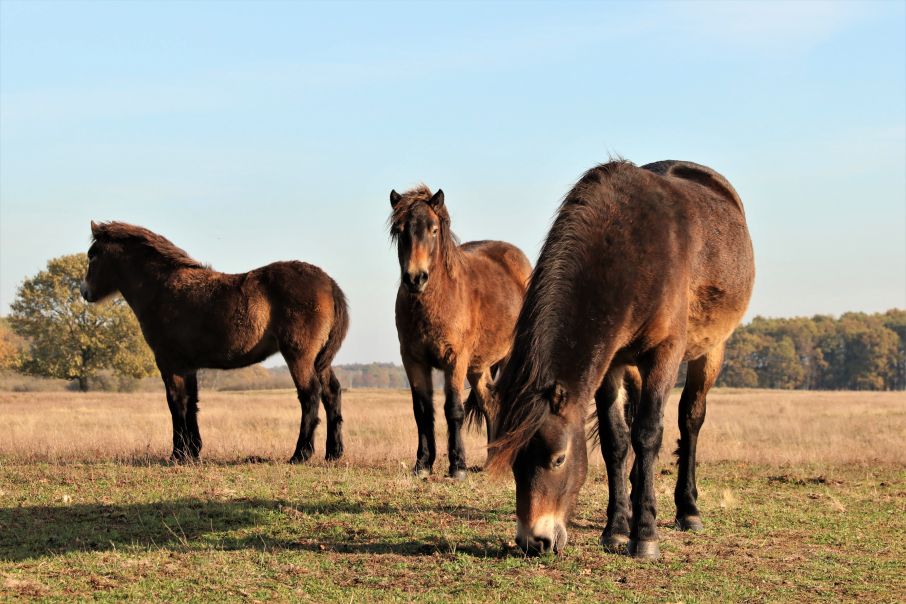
<point>455,311</point>
<point>643,268</point>
<point>194,317</point>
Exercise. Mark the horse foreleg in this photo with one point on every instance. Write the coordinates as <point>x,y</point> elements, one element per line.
<point>177,400</point>
<point>611,399</point>
<point>701,375</point>
<point>419,375</point>
<point>455,414</point>
<point>659,369</point>
<point>193,434</point>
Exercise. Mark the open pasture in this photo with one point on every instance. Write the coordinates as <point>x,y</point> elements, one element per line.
<point>803,496</point>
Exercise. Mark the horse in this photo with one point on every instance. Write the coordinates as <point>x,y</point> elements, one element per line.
<point>193,317</point>
<point>644,268</point>
<point>455,311</point>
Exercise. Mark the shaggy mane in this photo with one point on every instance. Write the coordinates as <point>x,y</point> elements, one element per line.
<point>135,236</point>
<point>525,384</point>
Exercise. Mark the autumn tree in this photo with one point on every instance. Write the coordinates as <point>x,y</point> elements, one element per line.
<point>67,337</point>
<point>11,346</point>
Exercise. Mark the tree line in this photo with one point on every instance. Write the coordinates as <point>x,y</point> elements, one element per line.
<point>52,332</point>
<point>856,351</point>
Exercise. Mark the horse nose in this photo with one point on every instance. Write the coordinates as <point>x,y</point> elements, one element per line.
<point>542,539</point>
<point>535,546</point>
<point>416,281</point>
<point>83,289</point>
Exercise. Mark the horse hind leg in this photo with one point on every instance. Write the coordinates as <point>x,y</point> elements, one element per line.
<point>308,388</point>
<point>331,394</point>
<point>701,376</point>
<point>192,432</point>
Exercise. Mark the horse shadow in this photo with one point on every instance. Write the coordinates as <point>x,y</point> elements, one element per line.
<point>34,532</point>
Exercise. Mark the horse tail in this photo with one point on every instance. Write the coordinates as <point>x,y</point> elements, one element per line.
<point>338,330</point>
<point>475,411</point>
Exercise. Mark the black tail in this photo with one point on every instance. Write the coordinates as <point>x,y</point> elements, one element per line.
<point>337,331</point>
<point>475,412</point>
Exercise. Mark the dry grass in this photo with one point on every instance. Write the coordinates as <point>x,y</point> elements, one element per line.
<point>759,427</point>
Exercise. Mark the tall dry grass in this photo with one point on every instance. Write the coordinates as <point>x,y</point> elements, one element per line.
<point>764,427</point>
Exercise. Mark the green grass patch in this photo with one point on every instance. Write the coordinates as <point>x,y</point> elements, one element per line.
<point>271,531</point>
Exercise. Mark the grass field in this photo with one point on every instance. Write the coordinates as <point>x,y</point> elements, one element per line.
<point>803,494</point>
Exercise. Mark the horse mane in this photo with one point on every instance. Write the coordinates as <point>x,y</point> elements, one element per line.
<point>140,237</point>
<point>527,381</point>
<point>453,256</point>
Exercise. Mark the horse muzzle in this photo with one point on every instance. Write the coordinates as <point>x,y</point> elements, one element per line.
<point>546,536</point>
<point>416,283</point>
<point>85,291</point>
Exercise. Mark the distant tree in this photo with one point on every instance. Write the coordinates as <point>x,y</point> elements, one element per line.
<point>740,360</point>
<point>895,321</point>
<point>858,351</point>
<point>11,346</point>
<point>69,338</point>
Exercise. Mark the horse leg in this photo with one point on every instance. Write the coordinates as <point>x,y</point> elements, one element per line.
<point>192,431</point>
<point>177,400</point>
<point>331,394</point>
<point>455,414</point>
<point>611,402</point>
<point>701,376</point>
<point>308,388</point>
<point>419,375</point>
<point>659,370</point>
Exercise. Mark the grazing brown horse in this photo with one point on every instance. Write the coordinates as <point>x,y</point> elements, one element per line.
<point>455,311</point>
<point>194,317</point>
<point>643,268</point>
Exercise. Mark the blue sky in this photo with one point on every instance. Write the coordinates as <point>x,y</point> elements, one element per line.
<point>253,132</point>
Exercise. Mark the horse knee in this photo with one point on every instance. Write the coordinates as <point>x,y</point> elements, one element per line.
<point>454,410</point>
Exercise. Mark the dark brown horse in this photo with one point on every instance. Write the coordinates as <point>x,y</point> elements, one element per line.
<point>194,317</point>
<point>643,268</point>
<point>455,311</point>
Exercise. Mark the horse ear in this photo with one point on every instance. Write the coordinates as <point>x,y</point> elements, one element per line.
<point>94,228</point>
<point>558,398</point>
<point>394,198</point>
<point>437,200</point>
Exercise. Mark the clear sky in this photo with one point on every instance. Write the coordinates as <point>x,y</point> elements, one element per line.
<point>253,132</point>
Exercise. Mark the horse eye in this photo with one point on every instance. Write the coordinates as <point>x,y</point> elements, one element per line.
<point>434,230</point>
<point>560,460</point>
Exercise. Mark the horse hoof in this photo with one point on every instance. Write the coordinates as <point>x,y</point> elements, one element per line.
<point>422,473</point>
<point>298,459</point>
<point>334,456</point>
<point>615,544</point>
<point>458,475</point>
<point>690,523</point>
<point>644,550</point>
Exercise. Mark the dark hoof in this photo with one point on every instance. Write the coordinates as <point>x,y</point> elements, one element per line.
<point>422,473</point>
<point>458,474</point>
<point>644,550</point>
<point>182,459</point>
<point>299,459</point>
<point>690,523</point>
<point>615,544</point>
<point>334,455</point>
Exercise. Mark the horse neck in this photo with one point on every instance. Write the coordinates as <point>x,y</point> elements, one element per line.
<point>143,285</point>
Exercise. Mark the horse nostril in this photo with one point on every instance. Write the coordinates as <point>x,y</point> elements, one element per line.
<point>543,544</point>
<point>421,278</point>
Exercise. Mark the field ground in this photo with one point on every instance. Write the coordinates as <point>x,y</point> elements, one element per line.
<point>803,494</point>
